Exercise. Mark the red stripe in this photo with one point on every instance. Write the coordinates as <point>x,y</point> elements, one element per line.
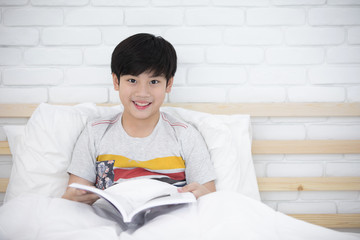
<point>138,172</point>
<point>106,121</point>
<point>178,124</point>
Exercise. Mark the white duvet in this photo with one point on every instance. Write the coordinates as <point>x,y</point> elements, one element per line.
<point>42,151</point>
<point>220,215</point>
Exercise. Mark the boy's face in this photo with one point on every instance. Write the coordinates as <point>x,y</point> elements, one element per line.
<point>142,95</point>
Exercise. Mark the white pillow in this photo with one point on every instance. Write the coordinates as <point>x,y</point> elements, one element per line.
<point>228,138</point>
<point>42,153</point>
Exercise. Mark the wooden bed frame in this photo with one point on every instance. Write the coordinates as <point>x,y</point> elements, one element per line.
<point>269,147</point>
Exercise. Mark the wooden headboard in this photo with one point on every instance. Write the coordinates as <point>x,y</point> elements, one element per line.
<point>269,147</point>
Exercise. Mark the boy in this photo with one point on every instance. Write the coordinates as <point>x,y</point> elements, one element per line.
<point>141,141</point>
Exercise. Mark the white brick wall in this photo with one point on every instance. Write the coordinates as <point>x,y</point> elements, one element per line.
<point>228,50</point>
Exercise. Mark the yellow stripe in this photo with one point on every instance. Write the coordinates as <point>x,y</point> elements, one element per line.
<point>164,163</point>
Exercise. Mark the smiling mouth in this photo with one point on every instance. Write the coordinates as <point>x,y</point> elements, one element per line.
<point>141,105</point>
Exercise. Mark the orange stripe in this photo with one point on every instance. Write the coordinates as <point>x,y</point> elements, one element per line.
<point>164,163</point>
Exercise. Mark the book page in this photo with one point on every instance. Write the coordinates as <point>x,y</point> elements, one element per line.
<point>132,196</point>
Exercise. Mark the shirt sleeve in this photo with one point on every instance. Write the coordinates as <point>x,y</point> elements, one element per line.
<point>198,165</point>
<point>83,157</point>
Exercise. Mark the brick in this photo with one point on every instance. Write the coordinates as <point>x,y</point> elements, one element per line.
<point>279,132</point>
<point>257,94</point>
<point>277,75</point>
<point>343,55</point>
<point>245,3</point>
<point>59,2</point>
<point>307,208</point>
<point>78,94</point>
<point>162,17</point>
<point>2,134</point>
<point>180,76</point>
<point>190,54</point>
<point>113,96</point>
<point>88,76</point>
<point>10,56</point>
<point>328,195</point>
<point>32,76</point>
<point>32,16</point>
<point>294,170</point>
<point>214,75</point>
<point>13,2</point>
<point>260,169</point>
<point>344,120</point>
<point>353,94</point>
<point>197,94</point>
<point>349,207</point>
<point>215,16</point>
<point>275,16</point>
<point>355,157</point>
<point>98,56</point>
<point>334,75</point>
<point>71,36</point>
<point>344,169</point>
<point>5,169</point>
<point>334,131</point>
<point>295,55</point>
<point>268,157</point>
<point>316,94</point>
<point>23,95</point>
<point>253,36</point>
<point>298,2</point>
<point>282,196</point>
<point>114,35</point>
<point>354,35</point>
<point>19,36</point>
<point>94,17</point>
<point>343,2</point>
<point>314,157</point>
<point>334,16</point>
<point>193,36</point>
<point>53,56</point>
<point>166,3</point>
<point>236,55</point>
<point>298,120</point>
<point>314,36</point>
<point>127,3</point>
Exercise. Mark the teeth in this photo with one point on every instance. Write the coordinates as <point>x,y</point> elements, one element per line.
<point>141,104</point>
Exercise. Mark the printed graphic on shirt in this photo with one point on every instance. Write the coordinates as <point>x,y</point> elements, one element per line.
<point>104,174</point>
<point>170,169</point>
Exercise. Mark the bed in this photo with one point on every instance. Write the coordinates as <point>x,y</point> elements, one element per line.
<point>213,120</point>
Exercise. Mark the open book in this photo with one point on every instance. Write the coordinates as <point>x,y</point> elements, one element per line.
<point>132,200</point>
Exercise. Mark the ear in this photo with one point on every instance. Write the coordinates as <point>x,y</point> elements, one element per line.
<point>169,85</point>
<point>115,81</point>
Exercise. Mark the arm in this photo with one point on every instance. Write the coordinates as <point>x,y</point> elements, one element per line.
<point>199,190</point>
<point>77,194</point>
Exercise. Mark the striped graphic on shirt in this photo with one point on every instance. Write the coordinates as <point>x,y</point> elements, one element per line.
<point>106,121</point>
<point>167,167</point>
<point>173,124</point>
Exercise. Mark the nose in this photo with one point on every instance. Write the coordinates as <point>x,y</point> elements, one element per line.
<point>142,90</point>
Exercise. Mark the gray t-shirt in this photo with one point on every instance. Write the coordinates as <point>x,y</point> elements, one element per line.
<point>174,152</point>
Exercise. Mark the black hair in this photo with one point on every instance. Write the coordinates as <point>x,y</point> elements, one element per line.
<point>144,52</point>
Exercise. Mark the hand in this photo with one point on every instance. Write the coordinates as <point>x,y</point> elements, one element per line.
<point>79,195</point>
<point>197,189</point>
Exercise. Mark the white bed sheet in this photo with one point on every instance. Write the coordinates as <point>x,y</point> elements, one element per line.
<point>220,215</point>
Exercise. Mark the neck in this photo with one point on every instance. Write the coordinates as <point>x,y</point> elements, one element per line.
<point>139,128</point>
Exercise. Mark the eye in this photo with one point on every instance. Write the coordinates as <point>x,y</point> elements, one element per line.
<point>154,81</point>
<point>132,80</point>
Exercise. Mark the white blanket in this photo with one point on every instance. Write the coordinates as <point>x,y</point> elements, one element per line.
<point>220,215</point>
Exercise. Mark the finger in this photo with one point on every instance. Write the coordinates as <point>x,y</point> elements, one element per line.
<point>190,187</point>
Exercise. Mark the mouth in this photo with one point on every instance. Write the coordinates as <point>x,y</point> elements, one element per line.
<point>141,105</point>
